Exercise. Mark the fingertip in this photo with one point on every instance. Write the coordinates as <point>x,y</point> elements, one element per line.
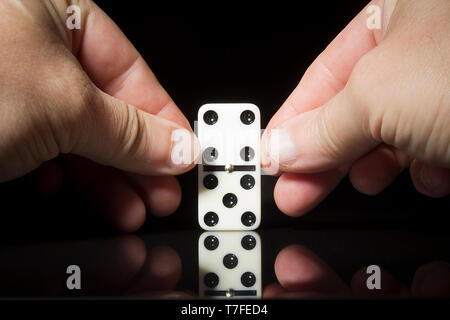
<point>159,274</point>
<point>389,285</point>
<point>429,180</point>
<point>118,202</point>
<point>185,151</point>
<point>268,166</point>
<point>297,193</point>
<point>292,266</point>
<point>165,264</point>
<point>115,199</point>
<point>318,140</point>
<point>131,253</point>
<point>369,180</point>
<point>128,216</point>
<point>364,185</point>
<point>299,269</point>
<point>161,194</point>
<point>293,206</point>
<point>273,290</point>
<point>166,198</point>
<point>376,170</point>
<point>162,269</point>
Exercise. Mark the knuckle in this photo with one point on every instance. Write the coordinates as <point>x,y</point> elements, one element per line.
<point>71,103</point>
<point>133,131</point>
<point>360,84</point>
<point>365,94</point>
<point>328,139</point>
<point>81,106</point>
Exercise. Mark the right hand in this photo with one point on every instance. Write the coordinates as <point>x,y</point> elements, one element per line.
<point>371,103</point>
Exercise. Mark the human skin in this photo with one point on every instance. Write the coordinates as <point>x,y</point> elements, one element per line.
<point>89,96</point>
<point>103,110</point>
<point>372,103</point>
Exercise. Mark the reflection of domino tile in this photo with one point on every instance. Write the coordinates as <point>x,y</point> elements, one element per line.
<point>229,264</point>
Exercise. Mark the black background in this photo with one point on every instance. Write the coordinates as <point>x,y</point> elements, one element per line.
<point>228,54</point>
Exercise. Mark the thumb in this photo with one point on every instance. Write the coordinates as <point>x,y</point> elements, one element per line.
<point>120,135</point>
<point>321,139</point>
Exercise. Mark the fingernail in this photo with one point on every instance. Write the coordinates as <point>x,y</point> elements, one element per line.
<point>268,167</point>
<point>185,148</point>
<point>265,156</point>
<point>280,146</point>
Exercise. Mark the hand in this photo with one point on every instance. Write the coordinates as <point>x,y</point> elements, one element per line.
<point>374,102</point>
<point>90,94</point>
<point>302,274</point>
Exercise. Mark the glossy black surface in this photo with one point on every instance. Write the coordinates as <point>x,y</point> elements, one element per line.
<point>124,265</point>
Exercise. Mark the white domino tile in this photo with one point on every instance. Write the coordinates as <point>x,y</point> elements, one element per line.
<point>229,136</point>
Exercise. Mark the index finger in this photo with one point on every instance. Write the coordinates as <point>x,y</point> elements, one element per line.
<point>330,71</point>
<point>117,68</point>
<point>325,77</point>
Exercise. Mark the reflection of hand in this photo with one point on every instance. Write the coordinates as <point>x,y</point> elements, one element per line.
<point>370,103</point>
<point>111,267</point>
<point>302,274</point>
<point>87,92</point>
<point>158,275</point>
